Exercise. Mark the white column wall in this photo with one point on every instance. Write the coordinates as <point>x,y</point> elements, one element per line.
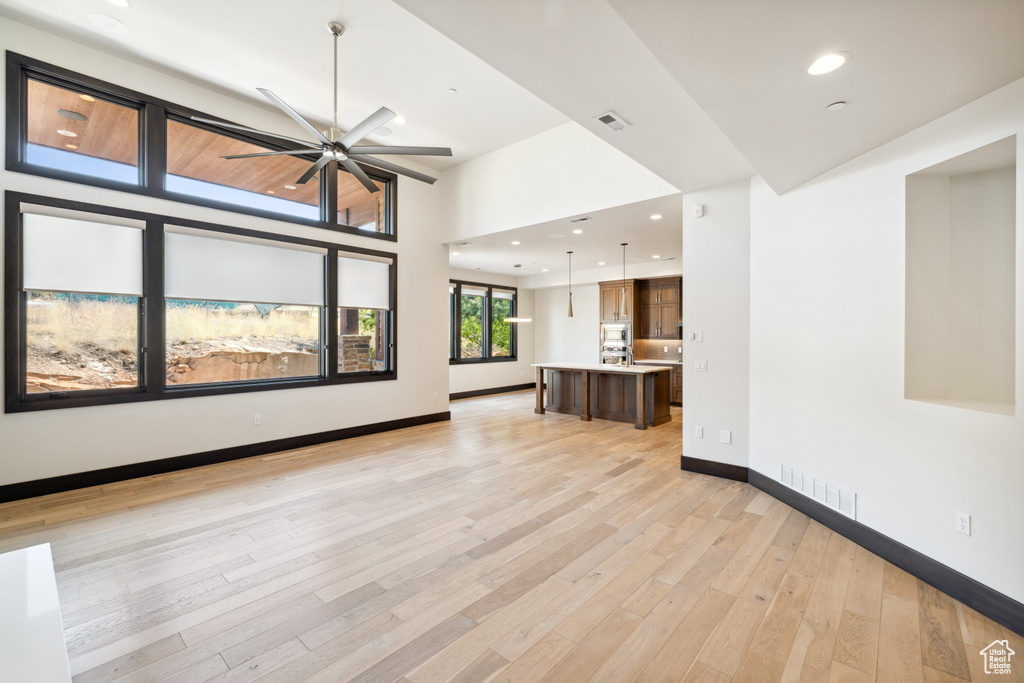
<point>716,302</point>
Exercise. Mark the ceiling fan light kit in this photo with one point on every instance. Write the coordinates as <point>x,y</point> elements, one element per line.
<point>332,145</point>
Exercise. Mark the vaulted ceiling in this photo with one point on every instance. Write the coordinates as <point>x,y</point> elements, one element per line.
<point>715,89</point>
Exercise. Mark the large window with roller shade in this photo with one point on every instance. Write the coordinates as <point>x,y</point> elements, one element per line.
<point>110,305</point>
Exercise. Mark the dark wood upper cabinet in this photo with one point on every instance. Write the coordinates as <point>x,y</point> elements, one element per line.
<point>660,309</point>
<point>611,301</point>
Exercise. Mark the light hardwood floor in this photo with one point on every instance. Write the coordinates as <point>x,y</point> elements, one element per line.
<point>501,546</point>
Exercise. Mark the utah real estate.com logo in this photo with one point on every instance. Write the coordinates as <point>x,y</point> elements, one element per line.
<point>997,657</point>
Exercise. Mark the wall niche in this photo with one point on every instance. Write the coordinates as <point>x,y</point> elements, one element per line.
<point>959,340</point>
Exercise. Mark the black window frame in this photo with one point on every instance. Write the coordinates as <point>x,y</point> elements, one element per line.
<point>455,324</point>
<point>152,342</point>
<point>152,148</point>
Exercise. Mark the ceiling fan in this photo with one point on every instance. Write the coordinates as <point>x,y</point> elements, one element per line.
<point>332,145</point>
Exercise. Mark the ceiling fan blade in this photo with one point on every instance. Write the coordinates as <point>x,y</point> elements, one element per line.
<point>353,168</point>
<point>427,151</point>
<point>367,126</point>
<point>309,150</point>
<point>314,169</point>
<point>246,129</point>
<point>394,168</point>
<point>295,115</point>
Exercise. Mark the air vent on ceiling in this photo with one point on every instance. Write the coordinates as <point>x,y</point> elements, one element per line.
<point>581,219</point>
<point>462,244</point>
<point>612,120</point>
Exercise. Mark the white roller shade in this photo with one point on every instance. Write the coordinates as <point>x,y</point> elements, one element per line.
<point>213,269</point>
<point>502,294</point>
<point>473,291</point>
<point>71,255</point>
<point>363,283</point>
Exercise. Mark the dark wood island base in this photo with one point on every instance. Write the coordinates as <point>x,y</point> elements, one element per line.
<point>624,394</point>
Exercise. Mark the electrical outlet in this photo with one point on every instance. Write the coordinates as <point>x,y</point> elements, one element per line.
<point>963,523</point>
<point>666,349</point>
<point>256,420</point>
<point>699,431</point>
<point>435,395</point>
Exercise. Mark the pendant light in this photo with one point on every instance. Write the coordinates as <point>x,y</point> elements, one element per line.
<point>623,313</point>
<point>570,282</point>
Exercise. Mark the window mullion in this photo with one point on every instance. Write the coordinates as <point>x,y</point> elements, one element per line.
<point>154,372</point>
<point>153,150</point>
<point>332,314</point>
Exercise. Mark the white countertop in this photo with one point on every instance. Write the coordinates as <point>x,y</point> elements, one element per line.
<point>603,367</point>
<point>660,362</point>
<point>31,630</point>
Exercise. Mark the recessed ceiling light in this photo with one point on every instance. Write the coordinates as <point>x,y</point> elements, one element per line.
<point>829,62</point>
<point>71,146</point>
<point>835,106</point>
<point>655,256</point>
<point>289,187</point>
<point>655,216</point>
<point>400,120</point>
<point>72,115</point>
<point>600,263</point>
<point>453,91</point>
<point>577,231</point>
<point>67,133</point>
<point>515,243</point>
<point>543,270</point>
<point>555,235</point>
<point>87,98</point>
<point>120,3</point>
<point>270,192</point>
<point>455,253</point>
<point>109,24</point>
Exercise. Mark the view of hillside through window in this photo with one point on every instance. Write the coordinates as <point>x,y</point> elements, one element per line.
<point>77,342</point>
<point>211,342</point>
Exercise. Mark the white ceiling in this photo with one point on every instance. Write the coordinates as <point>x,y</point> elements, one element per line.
<point>600,241</point>
<point>386,57</point>
<point>709,83</point>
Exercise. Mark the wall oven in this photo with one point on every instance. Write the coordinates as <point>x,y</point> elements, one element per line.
<point>615,342</point>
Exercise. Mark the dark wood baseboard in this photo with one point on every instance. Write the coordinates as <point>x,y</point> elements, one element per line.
<point>494,390</point>
<point>79,480</point>
<point>715,469</point>
<point>991,603</point>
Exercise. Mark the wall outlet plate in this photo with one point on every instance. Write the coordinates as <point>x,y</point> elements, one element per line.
<point>699,432</point>
<point>963,523</point>
<point>725,436</point>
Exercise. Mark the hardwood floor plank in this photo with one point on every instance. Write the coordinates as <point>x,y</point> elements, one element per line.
<point>681,649</point>
<point>899,639</point>
<point>765,659</point>
<point>941,641</point>
<point>581,661</point>
<point>857,642</point>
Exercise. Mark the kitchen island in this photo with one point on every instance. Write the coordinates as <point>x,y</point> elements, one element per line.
<point>637,394</point>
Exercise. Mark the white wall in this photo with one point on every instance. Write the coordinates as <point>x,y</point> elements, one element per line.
<point>827,338</point>
<point>559,173</point>
<point>55,442</point>
<point>503,374</point>
<point>561,338</point>
<point>716,302</point>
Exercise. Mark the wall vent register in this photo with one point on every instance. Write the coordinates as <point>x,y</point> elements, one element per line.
<point>831,496</point>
